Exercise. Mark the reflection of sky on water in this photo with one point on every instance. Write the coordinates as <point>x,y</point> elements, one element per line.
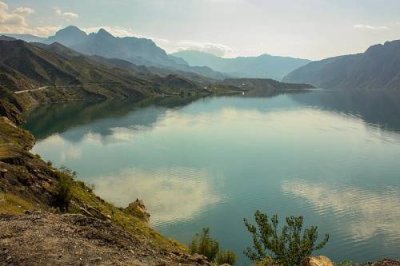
<point>368,212</point>
<point>177,194</point>
<point>228,156</point>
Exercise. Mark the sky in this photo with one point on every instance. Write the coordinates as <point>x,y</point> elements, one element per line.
<point>312,29</point>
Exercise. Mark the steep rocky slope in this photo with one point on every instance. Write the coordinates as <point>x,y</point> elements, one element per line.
<point>377,68</point>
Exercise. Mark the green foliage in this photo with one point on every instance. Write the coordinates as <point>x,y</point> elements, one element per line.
<point>228,257</point>
<point>288,247</point>
<point>63,193</point>
<point>203,244</point>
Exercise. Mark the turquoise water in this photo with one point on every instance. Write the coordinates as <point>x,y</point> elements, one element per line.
<point>331,157</point>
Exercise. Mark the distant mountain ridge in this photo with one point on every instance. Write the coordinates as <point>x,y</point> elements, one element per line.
<point>263,66</point>
<point>139,51</point>
<point>377,68</point>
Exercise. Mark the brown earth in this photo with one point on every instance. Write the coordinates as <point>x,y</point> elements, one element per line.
<point>41,238</point>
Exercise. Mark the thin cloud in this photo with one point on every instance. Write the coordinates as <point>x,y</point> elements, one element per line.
<point>24,11</point>
<point>67,15</point>
<point>16,21</point>
<point>369,27</point>
<point>208,47</point>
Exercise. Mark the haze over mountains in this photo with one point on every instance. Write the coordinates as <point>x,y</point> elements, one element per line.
<point>377,68</point>
<point>141,51</point>
<point>263,66</point>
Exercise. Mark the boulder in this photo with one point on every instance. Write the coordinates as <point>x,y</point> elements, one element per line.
<point>138,209</point>
<point>317,261</point>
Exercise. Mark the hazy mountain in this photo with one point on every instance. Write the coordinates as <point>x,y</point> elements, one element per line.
<point>6,38</point>
<point>139,51</point>
<point>263,66</point>
<point>25,37</point>
<point>69,36</point>
<point>377,68</point>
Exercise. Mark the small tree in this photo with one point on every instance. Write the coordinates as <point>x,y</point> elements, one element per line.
<point>203,244</point>
<point>226,257</point>
<point>288,247</point>
<point>63,195</point>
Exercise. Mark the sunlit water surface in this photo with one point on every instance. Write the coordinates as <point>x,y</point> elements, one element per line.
<point>331,157</point>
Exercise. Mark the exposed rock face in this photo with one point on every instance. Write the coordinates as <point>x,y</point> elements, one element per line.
<point>318,261</point>
<point>138,209</point>
<point>40,238</point>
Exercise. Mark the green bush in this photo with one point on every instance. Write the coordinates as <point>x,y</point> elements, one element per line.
<point>228,257</point>
<point>203,244</point>
<point>288,247</point>
<point>63,195</point>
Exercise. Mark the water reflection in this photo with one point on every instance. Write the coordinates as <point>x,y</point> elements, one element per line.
<point>51,119</point>
<point>219,159</point>
<point>368,213</point>
<point>380,108</point>
<point>175,194</point>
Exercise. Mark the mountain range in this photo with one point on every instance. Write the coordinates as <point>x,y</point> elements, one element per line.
<point>142,51</point>
<point>57,72</point>
<point>263,66</point>
<point>377,68</point>
<point>139,51</point>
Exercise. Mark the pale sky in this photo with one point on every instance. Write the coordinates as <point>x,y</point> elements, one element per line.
<point>312,29</point>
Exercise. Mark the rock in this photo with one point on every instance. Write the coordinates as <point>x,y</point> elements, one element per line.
<point>200,259</point>
<point>138,209</point>
<point>317,261</point>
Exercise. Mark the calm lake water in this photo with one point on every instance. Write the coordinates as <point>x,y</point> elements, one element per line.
<point>332,157</point>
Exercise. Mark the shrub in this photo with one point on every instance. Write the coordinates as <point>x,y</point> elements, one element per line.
<point>228,257</point>
<point>203,244</point>
<point>63,195</point>
<point>288,247</point>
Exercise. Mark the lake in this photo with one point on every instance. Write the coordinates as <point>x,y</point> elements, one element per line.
<point>330,156</point>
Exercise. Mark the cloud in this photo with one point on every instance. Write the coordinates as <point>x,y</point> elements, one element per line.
<point>369,27</point>
<point>168,193</point>
<point>24,11</point>
<point>15,21</point>
<point>114,30</point>
<point>208,47</point>
<point>365,213</point>
<point>12,19</point>
<point>66,15</point>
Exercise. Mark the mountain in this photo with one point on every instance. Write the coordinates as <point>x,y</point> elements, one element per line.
<point>263,87</point>
<point>139,51</point>
<point>376,68</point>
<point>71,35</point>
<point>56,73</point>
<point>263,66</point>
<point>25,37</point>
<point>6,38</point>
